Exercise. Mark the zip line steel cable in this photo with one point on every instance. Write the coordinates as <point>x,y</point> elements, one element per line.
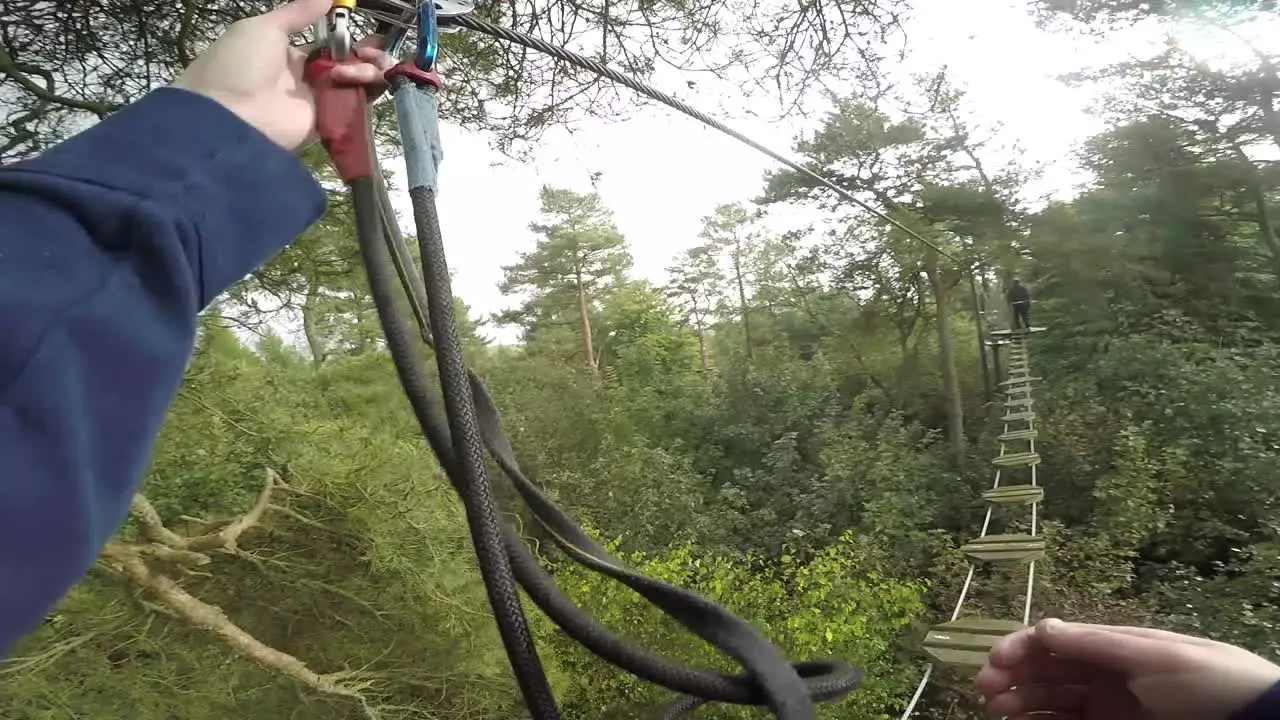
<point>466,432</point>
<point>965,642</point>
<point>533,43</point>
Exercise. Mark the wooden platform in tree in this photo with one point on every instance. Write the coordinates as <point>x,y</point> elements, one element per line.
<point>1014,495</point>
<point>1022,459</point>
<point>1005,548</point>
<point>967,641</point>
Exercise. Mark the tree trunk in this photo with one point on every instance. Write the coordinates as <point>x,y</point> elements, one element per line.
<point>742,297</point>
<point>702,349</point>
<point>982,338</point>
<point>1266,231</point>
<point>1258,195</point>
<point>946,356</point>
<point>588,349</point>
<point>1267,101</point>
<point>309,329</point>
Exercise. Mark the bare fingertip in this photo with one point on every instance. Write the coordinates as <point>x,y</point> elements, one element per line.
<point>1004,705</point>
<point>992,681</point>
<point>1050,625</point>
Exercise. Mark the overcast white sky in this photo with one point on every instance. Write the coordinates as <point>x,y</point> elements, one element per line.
<point>662,171</point>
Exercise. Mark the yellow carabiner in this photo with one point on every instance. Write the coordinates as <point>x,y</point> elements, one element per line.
<point>340,28</point>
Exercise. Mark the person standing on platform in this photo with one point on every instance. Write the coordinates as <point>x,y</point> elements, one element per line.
<point>1019,299</point>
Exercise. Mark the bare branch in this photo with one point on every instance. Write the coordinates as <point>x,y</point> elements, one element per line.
<point>197,613</point>
<point>152,526</point>
<point>20,74</point>
<point>227,537</point>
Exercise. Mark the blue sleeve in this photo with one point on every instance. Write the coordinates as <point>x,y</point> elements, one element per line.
<point>110,244</point>
<point>1265,707</point>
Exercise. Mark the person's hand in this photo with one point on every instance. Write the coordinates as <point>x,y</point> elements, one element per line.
<point>254,72</point>
<point>1101,672</point>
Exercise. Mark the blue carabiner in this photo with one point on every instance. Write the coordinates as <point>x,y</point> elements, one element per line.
<point>428,37</point>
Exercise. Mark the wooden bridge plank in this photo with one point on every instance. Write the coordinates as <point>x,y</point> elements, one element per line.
<point>1005,548</point>
<point>1014,495</point>
<point>967,641</point>
<point>1021,459</point>
<point>1017,435</point>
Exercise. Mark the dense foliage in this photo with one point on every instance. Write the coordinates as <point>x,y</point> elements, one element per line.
<point>796,425</point>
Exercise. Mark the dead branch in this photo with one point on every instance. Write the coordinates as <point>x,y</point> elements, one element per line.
<point>168,554</point>
<point>151,525</point>
<point>227,537</point>
<point>134,561</point>
<point>197,613</point>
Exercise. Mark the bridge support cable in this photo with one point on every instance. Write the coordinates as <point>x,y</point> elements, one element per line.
<point>965,642</point>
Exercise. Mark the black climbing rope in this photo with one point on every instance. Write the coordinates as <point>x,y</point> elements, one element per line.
<point>466,427</point>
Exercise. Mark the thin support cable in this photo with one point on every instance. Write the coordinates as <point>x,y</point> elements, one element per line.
<point>924,682</point>
<point>1031,567</point>
<point>473,23</point>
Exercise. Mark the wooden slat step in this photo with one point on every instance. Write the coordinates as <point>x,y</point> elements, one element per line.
<point>966,641</point>
<point>1020,402</point>
<point>1005,548</point>
<point>1019,416</point>
<point>1017,435</point>
<point>1019,390</point>
<point>1022,459</point>
<point>1018,367</point>
<point>1014,494</point>
<point>1018,380</point>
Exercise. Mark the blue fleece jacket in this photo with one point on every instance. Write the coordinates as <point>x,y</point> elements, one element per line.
<point>110,244</point>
